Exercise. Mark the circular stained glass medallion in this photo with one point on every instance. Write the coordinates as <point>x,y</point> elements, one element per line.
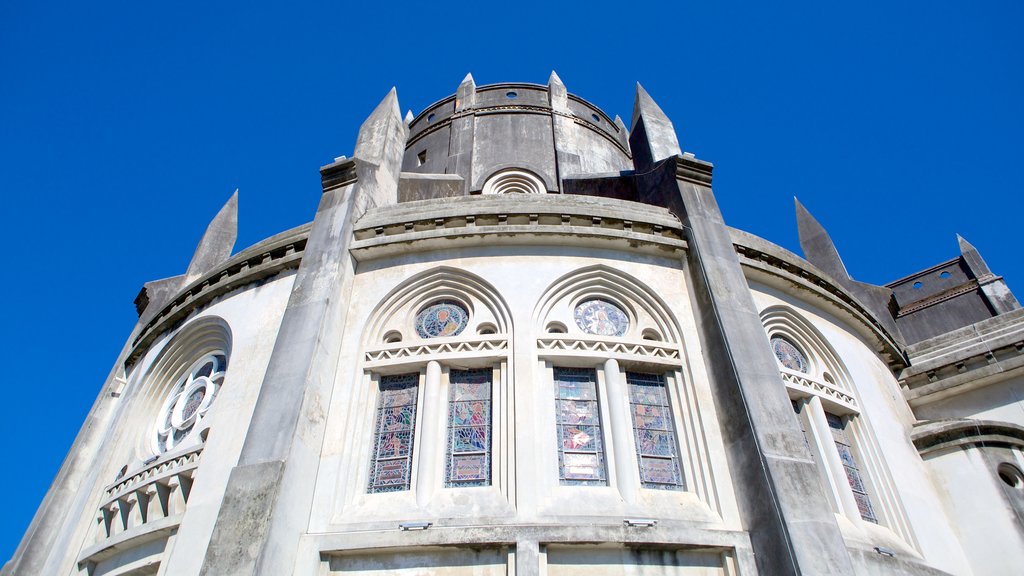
<point>601,317</point>
<point>789,355</point>
<point>445,318</point>
<point>188,401</point>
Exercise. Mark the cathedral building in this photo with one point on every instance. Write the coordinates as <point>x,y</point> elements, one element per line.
<point>518,337</point>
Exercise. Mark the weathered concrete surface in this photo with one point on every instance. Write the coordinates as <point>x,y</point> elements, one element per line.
<point>269,493</point>
<point>791,525</point>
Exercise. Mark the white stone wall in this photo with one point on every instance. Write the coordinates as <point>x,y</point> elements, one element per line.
<point>252,314</point>
<point>525,487</point>
<point>913,521</point>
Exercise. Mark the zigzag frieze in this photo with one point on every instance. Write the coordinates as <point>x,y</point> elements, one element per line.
<point>624,348</point>
<point>436,349</point>
<point>189,459</point>
<point>818,388</point>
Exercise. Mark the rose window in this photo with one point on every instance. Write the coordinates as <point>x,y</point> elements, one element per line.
<point>189,400</point>
<point>602,318</point>
<point>445,318</point>
<point>789,355</point>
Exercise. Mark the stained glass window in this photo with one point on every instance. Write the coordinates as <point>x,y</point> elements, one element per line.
<point>391,469</point>
<point>580,447</point>
<point>860,494</point>
<point>469,428</point>
<point>601,317</point>
<point>789,355</point>
<point>189,400</point>
<point>656,449</point>
<point>444,318</point>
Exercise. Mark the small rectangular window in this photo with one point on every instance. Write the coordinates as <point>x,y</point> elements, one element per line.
<point>468,460</point>
<point>860,494</point>
<point>657,451</point>
<point>391,469</point>
<point>580,445</point>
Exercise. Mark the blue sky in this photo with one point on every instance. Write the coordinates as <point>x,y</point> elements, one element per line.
<point>127,125</point>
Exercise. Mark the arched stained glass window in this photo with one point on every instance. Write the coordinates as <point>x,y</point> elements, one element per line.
<point>601,317</point>
<point>580,445</point>
<point>789,355</point>
<point>393,438</point>
<point>444,318</point>
<point>469,428</point>
<point>654,432</point>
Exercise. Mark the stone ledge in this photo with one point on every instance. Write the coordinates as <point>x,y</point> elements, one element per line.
<point>935,435</point>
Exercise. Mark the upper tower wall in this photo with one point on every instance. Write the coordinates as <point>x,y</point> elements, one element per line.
<point>481,131</point>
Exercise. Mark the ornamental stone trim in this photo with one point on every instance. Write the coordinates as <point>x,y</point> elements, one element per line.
<point>810,385</point>
<point>649,350</point>
<point>435,350</point>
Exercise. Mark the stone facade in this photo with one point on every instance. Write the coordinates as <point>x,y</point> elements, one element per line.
<point>519,338</point>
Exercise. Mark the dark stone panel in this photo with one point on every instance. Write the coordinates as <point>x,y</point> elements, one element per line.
<point>525,95</point>
<point>429,154</point>
<point>957,312</point>
<point>433,115</point>
<point>514,141</point>
<point>617,187</point>
<point>931,282</point>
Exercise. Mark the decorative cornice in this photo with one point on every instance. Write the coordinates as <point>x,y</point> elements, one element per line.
<point>690,169</point>
<point>261,261</point>
<point>341,172</point>
<point>934,435</point>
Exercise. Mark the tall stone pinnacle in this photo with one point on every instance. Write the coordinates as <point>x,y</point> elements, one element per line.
<point>973,258</point>
<point>465,95</point>
<point>376,129</point>
<point>558,96</point>
<point>652,136</point>
<point>817,245</point>
<point>217,242</point>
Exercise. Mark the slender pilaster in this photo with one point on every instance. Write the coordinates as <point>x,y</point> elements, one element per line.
<point>627,475</point>
<point>268,499</point>
<point>562,125</point>
<point>460,143</point>
<point>430,434</point>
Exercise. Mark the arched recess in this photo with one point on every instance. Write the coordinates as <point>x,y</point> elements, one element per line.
<point>824,363</point>
<point>202,337</point>
<point>394,318</point>
<point>649,316</point>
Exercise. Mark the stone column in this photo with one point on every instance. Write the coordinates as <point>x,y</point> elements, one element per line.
<point>830,456</point>
<point>620,429</point>
<point>431,441</point>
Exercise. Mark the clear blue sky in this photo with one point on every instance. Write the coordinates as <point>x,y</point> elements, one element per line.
<point>125,126</point>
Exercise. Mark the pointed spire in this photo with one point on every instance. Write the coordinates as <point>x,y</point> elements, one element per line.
<point>217,242</point>
<point>623,132</point>
<point>652,137</point>
<point>973,258</point>
<point>817,245</point>
<point>465,96</point>
<point>558,96</point>
<point>374,132</point>
<point>408,117</point>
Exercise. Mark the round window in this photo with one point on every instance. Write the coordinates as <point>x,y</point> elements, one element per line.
<point>601,317</point>
<point>789,355</point>
<point>189,400</point>
<point>444,318</point>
